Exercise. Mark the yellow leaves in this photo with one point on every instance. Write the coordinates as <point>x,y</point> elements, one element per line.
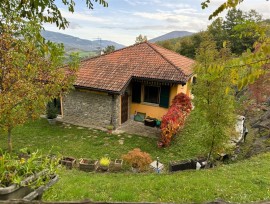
<point>224,44</point>
<point>227,90</point>
<point>234,76</point>
<point>22,161</point>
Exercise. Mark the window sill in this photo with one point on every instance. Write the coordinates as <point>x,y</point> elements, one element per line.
<point>150,104</point>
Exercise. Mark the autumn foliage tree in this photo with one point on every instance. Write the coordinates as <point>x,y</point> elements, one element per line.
<point>175,118</point>
<point>30,76</point>
<point>260,89</point>
<point>31,69</point>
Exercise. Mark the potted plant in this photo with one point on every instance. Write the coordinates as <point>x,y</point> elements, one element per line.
<point>69,162</point>
<point>104,163</point>
<point>24,153</point>
<point>110,128</point>
<point>88,165</point>
<point>26,179</point>
<point>51,112</point>
<point>138,160</point>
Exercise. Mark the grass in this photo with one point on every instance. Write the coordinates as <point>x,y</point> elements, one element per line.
<point>241,182</point>
<point>94,144</point>
<point>244,181</point>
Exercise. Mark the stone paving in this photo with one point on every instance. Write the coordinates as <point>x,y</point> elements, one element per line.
<point>137,128</point>
<point>130,127</point>
<point>81,123</point>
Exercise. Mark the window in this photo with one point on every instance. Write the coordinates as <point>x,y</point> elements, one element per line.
<point>151,94</point>
<point>136,92</point>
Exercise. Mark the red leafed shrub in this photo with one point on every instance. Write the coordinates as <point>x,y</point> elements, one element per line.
<point>175,118</point>
<point>138,159</point>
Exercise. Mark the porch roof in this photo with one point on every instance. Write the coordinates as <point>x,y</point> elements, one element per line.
<point>112,72</point>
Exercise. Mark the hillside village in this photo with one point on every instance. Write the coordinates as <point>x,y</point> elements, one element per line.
<point>181,117</point>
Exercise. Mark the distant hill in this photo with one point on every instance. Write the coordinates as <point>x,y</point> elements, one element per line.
<point>78,44</point>
<point>171,35</point>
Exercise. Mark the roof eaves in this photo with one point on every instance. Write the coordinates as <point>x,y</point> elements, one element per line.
<point>97,89</point>
<point>160,80</point>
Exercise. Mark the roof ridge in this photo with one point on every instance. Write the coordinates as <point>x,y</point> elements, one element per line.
<point>172,51</point>
<point>135,44</point>
<point>151,45</point>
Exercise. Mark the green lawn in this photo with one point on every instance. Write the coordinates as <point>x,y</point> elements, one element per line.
<point>243,181</point>
<point>94,144</point>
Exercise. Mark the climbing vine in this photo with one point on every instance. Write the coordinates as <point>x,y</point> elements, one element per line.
<point>175,118</point>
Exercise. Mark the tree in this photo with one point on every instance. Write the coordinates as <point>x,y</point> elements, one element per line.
<point>140,39</point>
<point>233,28</point>
<point>213,98</point>
<point>226,5</point>
<point>236,25</point>
<point>30,67</point>
<point>29,78</point>
<point>45,11</point>
<point>217,31</point>
<point>108,49</point>
<point>260,89</point>
<point>167,44</point>
<point>189,45</point>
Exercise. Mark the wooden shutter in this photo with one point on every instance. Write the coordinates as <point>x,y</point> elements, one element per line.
<point>164,96</point>
<point>136,92</point>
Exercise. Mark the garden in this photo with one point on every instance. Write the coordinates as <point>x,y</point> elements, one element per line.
<point>237,182</point>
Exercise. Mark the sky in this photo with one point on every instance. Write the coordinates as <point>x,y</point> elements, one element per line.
<point>123,20</point>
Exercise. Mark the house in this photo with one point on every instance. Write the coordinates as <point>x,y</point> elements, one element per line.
<point>111,88</point>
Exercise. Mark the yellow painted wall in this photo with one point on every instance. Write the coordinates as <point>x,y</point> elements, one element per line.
<point>154,110</point>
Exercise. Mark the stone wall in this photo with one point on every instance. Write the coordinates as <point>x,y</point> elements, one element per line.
<point>92,108</point>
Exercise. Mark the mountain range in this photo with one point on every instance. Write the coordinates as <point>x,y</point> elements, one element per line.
<point>171,35</point>
<point>72,43</point>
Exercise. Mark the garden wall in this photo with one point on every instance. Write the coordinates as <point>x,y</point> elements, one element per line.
<point>92,108</point>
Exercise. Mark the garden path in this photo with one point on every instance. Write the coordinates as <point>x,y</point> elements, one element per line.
<point>130,127</point>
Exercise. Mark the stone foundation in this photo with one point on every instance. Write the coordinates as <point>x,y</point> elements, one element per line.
<point>93,108</point>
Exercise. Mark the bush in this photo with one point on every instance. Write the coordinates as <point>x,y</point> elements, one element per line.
<point>138,159</point>
<point>104,161</point>
<point>175,118</point>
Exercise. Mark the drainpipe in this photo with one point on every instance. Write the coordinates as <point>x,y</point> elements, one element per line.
<point>112,110</point>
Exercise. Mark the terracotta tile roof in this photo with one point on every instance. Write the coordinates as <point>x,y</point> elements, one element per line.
<point>111,72</point>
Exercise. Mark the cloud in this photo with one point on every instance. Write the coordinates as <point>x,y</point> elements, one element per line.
<point>136,2</point>
<point>177,15</point>
<point>82,16</point>
<point>74,25</point>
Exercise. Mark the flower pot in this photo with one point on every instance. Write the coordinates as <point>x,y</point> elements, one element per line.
<point>182,165</point>
<point>104,168</point>
<point>27,193</point>
<point>69,162</point>
<point>134,169</point>
<point>118,164</point>
<point>51,121</point>
<point>88,165</point>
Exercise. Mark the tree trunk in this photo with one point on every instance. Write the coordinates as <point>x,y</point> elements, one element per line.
<point>211,149</point>
<point>9,140</point>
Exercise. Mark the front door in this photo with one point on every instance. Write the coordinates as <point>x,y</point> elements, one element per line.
<point>124,108</point>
